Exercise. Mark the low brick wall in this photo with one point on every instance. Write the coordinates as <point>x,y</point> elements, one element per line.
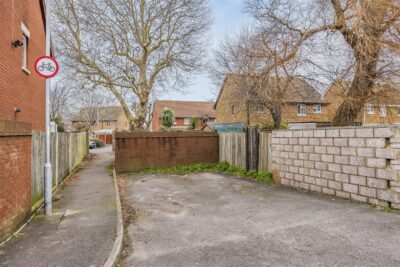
<point>15,175</point>
<point>156,149</point>
<point>359,163</point>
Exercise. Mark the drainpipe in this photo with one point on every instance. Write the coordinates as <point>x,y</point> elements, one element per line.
<point>364,116</point>
<point>47,166</point>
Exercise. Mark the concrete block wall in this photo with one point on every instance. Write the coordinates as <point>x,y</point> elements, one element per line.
<point>358,163</point>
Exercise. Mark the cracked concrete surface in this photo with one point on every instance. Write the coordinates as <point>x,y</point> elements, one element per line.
<point>218,220</point>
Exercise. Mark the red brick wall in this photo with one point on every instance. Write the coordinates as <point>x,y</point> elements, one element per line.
<point>143,150</point>
<point>15,182</point>
<point>18,88</point>
<point>155,125</point>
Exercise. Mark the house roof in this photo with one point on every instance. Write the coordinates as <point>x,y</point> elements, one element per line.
<point>185,109</point>
<point>299,90</point>
<point>109,113</point>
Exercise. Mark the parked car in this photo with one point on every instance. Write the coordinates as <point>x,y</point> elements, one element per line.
<point>92,144</point>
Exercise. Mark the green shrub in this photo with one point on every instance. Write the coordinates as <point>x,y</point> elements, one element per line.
<point>222,166</point>
<point>167,119</point>
<point>271,126</point>
<point>193,121</point>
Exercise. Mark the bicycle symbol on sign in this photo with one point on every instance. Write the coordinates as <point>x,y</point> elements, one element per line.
<point>48,67</point>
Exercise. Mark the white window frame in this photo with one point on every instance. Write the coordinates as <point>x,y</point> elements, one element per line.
<point>370,109</point>
<point>186,121</point>
<point>259,108</point>
<point>383,111</point>
<point>302,110</point>
<point>233,110</point>
<point>26,35</point>
<point>317,108</point>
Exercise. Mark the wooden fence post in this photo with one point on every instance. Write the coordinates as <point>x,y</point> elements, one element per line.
<point>265,151</point>
<point>252,148</point>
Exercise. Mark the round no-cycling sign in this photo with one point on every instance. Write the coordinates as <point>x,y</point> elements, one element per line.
<point>46,67</point>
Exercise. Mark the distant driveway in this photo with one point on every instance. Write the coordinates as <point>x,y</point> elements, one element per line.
<point>219,220</point>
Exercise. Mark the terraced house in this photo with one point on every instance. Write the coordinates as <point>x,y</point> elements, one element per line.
<point>383,106</point>
<point>303,105</point>
<point>22,105</point>
<point>101,119</point>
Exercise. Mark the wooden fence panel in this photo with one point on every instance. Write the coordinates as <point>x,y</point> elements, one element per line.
<point>252,148</point>
<point>265,150</point>
<point>232,148</point>
<point>67,151</point>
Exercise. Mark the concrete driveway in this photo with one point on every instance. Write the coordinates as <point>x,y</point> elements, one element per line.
<point>219,220</point>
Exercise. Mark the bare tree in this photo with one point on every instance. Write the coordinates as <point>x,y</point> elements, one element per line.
<point>133,47</point>
<point>91,106</point>
<point>369,29</point>
<point>245,57</point>
<point>59,100</point>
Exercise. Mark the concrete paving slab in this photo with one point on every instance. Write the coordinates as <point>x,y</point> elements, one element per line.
<point>82,234</point>
<point>219,220</point>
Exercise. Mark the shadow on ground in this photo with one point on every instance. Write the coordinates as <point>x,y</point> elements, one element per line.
<point>218,220</point>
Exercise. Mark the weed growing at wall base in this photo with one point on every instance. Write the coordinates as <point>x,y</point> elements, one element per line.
<point>223,166</point>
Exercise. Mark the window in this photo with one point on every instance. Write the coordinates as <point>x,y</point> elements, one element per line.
<point>108,123</point>
<point>25,48</point>
<point>370,109</point>
<point>317,108</point>
<point>302,110</point>
<point>258,108</point>
<point>233,110</point>
<point>186,121</point>
<point>383,111</point>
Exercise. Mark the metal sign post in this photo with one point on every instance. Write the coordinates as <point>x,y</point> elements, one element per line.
<point>47,67</point>
<point>48,209</point>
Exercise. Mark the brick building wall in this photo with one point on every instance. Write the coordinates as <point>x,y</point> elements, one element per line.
<point>389,100</point>
<point>20,88</point>
<point>122,123</point>
<point>392,115</point>
<point>144,150</point>
<point>354,163</point>
<point>247,114</point>
<point>15,182</point>
<point>155,124</point>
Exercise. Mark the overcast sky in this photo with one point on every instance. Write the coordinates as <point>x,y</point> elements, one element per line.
<point>228,17</point>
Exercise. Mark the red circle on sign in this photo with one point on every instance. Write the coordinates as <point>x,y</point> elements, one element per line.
<point>44,75</point>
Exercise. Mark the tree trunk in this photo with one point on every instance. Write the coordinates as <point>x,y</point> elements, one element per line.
<point>359,91</point>
<point>141,113</point>
<point>277,116</point>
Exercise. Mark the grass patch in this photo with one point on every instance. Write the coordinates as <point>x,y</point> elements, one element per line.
<point>16,234</point>
<point>383,208</point>
<point>223,167</point>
